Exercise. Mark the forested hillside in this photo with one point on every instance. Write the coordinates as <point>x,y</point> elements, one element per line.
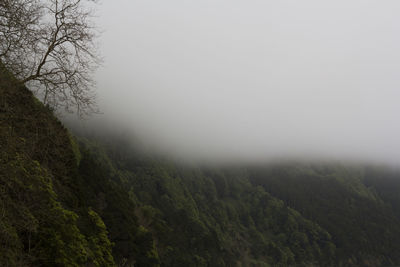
<point>43,221</point>
<point>81,201</point>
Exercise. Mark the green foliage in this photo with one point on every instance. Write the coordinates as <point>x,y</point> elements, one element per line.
<point>103,204</point>
<point>39,229</point>
<point>99,244</point>
<point>75,149</point>
<point>219,223</point>
<point>39,223</point>
<point>279,215</point>
<point>339,200</point>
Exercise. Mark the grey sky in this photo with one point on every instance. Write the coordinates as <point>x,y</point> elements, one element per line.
<point>250,79</point>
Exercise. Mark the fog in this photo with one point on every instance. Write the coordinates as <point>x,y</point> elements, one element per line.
<point>254,80</point>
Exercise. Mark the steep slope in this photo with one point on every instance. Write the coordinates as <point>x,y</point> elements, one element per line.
<point>211,217</point>
<point>272,215</point>
<point>101,203</point>
<point>340,199</point>
<point>39,222</point>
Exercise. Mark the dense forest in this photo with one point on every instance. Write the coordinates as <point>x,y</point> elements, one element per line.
<point>70,200</point>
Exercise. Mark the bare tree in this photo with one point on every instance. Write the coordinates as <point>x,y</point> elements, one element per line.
<point>50,46</point>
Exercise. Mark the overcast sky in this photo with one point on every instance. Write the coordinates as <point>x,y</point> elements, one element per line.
<point>254,79</point>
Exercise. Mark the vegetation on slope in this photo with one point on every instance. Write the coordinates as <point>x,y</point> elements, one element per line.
<point>364,227</point>
<point>83,203</point>
<point>42,221</point>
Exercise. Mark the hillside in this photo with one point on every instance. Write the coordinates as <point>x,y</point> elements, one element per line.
<point>68,201</point>
<point>277,215</point>
<point>42,221</point>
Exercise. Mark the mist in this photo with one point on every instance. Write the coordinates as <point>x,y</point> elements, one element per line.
<point>253,80</point>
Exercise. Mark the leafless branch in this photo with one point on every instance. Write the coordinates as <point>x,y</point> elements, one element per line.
<point>50,46</point>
